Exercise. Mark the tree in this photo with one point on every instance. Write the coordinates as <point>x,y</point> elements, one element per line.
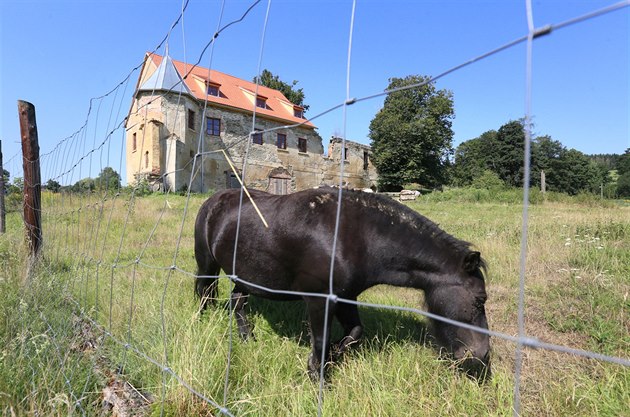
<point>53,186</point>
<point>510,152</point>
<point>294,95</point>
<point>609,160</point>
<point>573,172</point>
<point>473,157</point>
<point>18,183</point>
<point>108,179</point>
<point>623,185</point>
<point>411,135</point>
<point>6,175</point>
<point>623,163</point>
<point>623,169</point>
<point>85,185</point>
<point>545,151</point>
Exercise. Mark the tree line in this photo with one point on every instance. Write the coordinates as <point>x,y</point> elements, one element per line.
<point>411,138</point>
<point>107,180</point>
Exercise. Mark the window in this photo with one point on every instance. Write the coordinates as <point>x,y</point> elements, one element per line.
<point>365,160</point>
<point>282,141</point>
<point>298,112</point>
<point>231,181</point>
<point>279,186</point>
<point>146,159</point>
<point>261,102</point>
<point>302,145</point>
<point>345,154</point>
<point>213,126</point>
<point>257,138</point>
<point>134,141</point>
<point>213,90</point>
<point>191,119</point>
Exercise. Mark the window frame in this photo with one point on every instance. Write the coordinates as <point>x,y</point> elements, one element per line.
<point>216,127</point>
<point>190,123</point>
<point>258,134</point>
<point>261,102</point>
<point>212,88</point>
<point>302,145</point>
<point>281,138</point>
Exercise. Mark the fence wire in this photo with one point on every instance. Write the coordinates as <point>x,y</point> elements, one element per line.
<point>80,233</point>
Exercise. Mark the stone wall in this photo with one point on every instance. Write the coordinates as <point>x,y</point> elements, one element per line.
<point>173,150</point>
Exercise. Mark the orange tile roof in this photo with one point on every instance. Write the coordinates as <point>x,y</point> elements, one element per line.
<point>235,92</point>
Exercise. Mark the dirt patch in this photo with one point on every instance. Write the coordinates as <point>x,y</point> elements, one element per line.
<point>119,398</point>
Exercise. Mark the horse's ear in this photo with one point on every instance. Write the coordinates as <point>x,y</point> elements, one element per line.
<point>472,261</point>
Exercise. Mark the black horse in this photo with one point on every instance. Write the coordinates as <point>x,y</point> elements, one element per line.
<point>379,242</point>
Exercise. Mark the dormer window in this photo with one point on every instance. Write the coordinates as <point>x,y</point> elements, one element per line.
<point>298,112</point>
<point>261,102</point>
<point>213,89</point>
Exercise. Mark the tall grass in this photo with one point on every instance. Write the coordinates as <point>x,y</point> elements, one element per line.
<point>44,368</point>
<point>577,295</point>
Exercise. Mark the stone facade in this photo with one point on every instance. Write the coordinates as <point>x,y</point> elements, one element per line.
<point>164,131</point>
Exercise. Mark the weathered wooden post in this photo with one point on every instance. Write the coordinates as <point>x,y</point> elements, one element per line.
<point>32,179</point>
<point>3,227</point>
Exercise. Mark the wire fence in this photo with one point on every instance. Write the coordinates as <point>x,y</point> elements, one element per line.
<point>90,234</point>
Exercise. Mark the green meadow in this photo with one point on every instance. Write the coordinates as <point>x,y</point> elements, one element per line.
<point>110,306</point>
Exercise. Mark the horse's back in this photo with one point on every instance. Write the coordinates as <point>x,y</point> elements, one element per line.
<point>292,253</point>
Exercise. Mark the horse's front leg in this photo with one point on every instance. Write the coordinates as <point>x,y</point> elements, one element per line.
<point>239,301</point>
<point>320,330</point>
<point>348,316</point>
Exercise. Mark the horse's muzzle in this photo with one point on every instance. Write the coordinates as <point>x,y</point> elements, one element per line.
<point>476,365</point>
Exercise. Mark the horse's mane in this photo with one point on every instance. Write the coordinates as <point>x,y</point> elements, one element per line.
<point>403,214</point>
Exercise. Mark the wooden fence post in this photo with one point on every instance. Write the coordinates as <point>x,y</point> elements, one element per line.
<point>32,179</point>
<point>3,227</point>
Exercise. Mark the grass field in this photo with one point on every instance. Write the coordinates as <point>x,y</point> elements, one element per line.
<point>121,263</point>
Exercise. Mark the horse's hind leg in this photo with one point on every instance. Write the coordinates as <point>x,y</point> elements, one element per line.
<point>206,283</point>
<point>207,290</point>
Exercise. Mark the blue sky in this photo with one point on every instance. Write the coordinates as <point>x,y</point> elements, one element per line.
<point>59,54</point>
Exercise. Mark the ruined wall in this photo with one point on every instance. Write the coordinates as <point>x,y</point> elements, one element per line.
<point>265,159</point>
<point>173,147</point>
<point>359,172</point>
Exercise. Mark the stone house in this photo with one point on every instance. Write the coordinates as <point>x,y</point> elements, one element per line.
<point>185,122</point>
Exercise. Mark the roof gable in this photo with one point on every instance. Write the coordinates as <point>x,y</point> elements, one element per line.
<point>233,92</point>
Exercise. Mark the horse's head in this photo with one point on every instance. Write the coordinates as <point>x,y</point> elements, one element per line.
<point>461,297</point>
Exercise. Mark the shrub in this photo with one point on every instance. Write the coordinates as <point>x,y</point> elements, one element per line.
<point>488,180</point>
